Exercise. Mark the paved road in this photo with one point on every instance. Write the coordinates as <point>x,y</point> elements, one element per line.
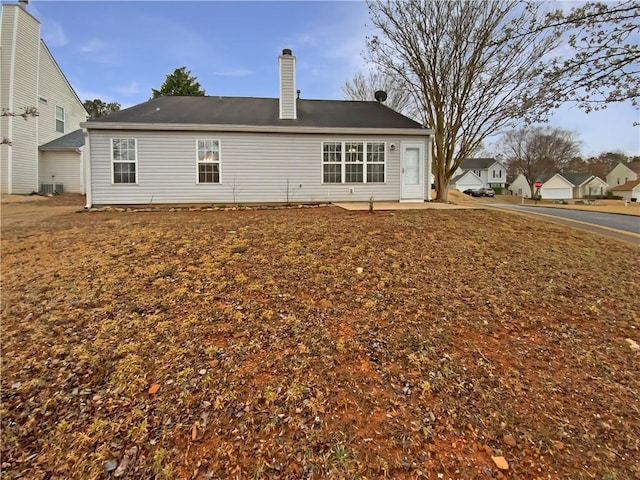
<point>626,223</point>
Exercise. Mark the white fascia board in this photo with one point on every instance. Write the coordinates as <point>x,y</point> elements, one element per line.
<point>193,127</point>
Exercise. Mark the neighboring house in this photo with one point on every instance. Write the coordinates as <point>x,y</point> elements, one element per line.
<point>46,149</point>
<point>520,186</point>
<point>465,181</point>
<point>623,173</point>
<point>561,186</point>
<point>628,190</point>
<point>490,171</point>
<point>209,149</point>
<point>571,185</point>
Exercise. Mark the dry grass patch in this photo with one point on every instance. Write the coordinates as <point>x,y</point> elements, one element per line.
<point>467,335</point>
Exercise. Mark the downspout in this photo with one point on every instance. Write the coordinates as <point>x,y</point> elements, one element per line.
<point>86,156</point>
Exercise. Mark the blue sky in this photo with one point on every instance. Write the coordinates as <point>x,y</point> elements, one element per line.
<point>119,51</point>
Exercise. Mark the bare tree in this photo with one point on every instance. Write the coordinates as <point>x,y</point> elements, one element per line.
<point>363,87</point>
<point>26,113</point>
<point>467,66</point>
<point>601,58</point>
<point>535,150</point>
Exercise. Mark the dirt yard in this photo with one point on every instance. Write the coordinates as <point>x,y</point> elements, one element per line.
<point>317,343</point>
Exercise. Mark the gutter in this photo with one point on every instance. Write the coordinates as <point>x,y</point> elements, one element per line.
<point>184,127</point>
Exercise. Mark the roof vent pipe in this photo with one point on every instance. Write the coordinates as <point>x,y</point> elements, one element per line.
<point>286,51</point>
<point>23,4</point>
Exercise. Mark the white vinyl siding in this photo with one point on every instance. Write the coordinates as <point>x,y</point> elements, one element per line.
<point>353,162</point>
<point>63,167</point>
<point>124,161</point>
<point>208,161</point>
<point>256,167</point>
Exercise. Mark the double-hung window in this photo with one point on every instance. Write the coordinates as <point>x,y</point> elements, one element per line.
<point>332,162</point>
<point>375,162</point>
<point>353,162</point>
<point>59,119</point>
<point>124,158</point>
<point>208,160</point>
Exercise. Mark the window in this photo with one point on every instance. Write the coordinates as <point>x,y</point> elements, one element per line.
<point>124,158</point>
<point>59,119</point>
<point>375,162</point>
<point>332,162</point>
<point>208,161</point>
<point>353,162</point>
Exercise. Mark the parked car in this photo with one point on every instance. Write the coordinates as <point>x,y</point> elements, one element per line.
<point>472,192</point>
<point>486,192</point>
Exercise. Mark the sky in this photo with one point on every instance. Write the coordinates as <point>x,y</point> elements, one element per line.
<point>118,51</point>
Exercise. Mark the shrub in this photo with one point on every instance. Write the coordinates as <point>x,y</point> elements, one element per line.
<point>634,199</point>
<point>498,190</point>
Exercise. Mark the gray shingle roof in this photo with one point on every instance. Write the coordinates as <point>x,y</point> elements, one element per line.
<point>70,141</point>
<point>634,166</point>
<point>477,163</point>
<point>576,178</point>
<point>210,110</point>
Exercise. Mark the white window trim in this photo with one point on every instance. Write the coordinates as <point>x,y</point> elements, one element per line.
<point>56,119</point>
<point>120,161</point>
<point>343,162</point>
<point>198,182</point>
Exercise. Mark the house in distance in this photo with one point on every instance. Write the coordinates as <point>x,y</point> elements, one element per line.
<point>218,150</point>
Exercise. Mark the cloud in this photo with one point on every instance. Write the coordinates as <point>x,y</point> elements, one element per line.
<point>130,90</point>
<point>234,72</point>
<point>53,34</point>
<point>94,45</point>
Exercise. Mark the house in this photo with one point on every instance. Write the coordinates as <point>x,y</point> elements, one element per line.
<point>45,150</point>
<point>520,186</point>
<point>465,181</point>
<point>210,149</point>
<point>623,173</point>
<point>561,186</point>
<point>490,171</point>
<point>571,185</point>
<point>629,190</point>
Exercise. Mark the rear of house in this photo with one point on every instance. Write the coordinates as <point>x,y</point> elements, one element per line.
<point>224,150</point>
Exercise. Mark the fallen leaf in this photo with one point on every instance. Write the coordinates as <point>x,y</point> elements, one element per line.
<point>633,344</point>
<point>194,432</point>
<point>501,463</point>
<point>153,389</point>
<point>127,459</point>
<point>558,444</point>
<point>509,440</point>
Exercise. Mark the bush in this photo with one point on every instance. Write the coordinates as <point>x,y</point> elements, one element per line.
<point>634,199</point>
<point>498,190</point>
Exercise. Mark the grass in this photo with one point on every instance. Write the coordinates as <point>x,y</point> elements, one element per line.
<point>277,357</point>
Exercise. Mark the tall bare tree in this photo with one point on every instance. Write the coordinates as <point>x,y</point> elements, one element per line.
<point>467,65</point>
<point>535,150</point>
<point>601,58</point>
<point>363,87</point>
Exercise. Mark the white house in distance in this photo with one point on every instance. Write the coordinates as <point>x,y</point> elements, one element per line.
<point>623,172</point>
<point>629,190</point>
<point>561,186</point>
<point>486,173</point>
<point>44,150</point>
<point>210,149</point>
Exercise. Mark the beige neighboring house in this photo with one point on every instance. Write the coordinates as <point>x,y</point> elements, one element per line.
<point>629,190</point>
<point>623,173</point>
<point>39,153</point>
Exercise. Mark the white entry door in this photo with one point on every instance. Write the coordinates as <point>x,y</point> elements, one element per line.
<point>412,172</point>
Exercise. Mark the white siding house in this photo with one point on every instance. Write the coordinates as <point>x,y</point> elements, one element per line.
<point>465,181</point>
<point>490,171</point>
<point>30,77</point>
<point>520,186</point>
<point>623,173</point>
<point>256,150</point>
<point>629,190</point>
<point>556,188</point>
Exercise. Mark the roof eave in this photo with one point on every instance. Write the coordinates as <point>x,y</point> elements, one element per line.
<point>253,128</point>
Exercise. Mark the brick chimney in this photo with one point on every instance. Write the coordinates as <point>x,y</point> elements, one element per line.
<point>287,68</point>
